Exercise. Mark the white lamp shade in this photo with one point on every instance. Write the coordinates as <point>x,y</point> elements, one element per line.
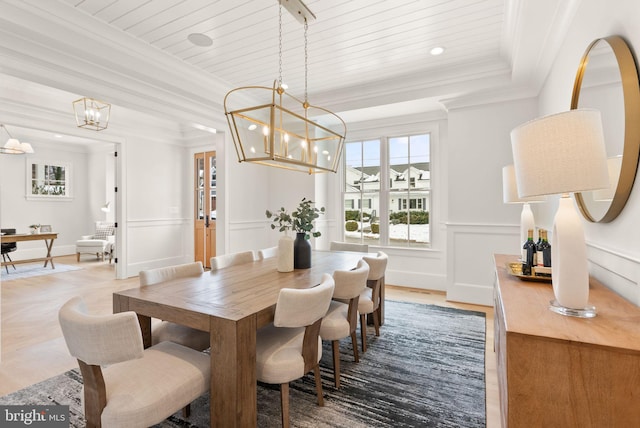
<point>560,153</point>
<point>26,147</point>
<point>510,188</point>
<point>13,144</point>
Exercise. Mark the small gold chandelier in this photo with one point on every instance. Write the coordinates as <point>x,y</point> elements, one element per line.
<point>278,129</point>
<point>91,113</point>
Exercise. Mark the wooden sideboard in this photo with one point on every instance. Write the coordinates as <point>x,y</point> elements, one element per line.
<point>558,371</point>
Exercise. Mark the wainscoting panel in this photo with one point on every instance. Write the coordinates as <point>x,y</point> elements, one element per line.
<point>157,243</point>
<point>250,235</point>
<point>617,271</point>
<point>470,265</point>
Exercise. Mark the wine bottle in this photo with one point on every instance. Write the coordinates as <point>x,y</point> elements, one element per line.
<point>545,250</point>
<point>529,249</point>
<point>539,261</point>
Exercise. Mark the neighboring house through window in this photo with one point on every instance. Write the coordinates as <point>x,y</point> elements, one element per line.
<point>390,178</point>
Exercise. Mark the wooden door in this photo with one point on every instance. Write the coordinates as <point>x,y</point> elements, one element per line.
<point>205,207</point>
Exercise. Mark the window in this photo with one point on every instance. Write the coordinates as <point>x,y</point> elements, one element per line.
<point>48,179</point>
<point>391,180</point>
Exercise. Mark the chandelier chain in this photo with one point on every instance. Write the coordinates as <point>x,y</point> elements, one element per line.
<point>280,46</point>
<point>306,58</point>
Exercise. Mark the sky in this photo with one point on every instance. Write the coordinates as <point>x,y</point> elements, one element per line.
<point>368,151</point>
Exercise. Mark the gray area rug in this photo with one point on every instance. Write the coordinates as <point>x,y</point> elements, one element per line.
<point>426,369</point>
<point>34,269</point>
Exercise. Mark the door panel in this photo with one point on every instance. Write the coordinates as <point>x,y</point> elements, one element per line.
<point>205,207</point>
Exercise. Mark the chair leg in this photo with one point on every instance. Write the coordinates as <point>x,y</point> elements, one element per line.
<point>363,331</point>
<point>284,401</point>
<point>5,266</point>
<point>354,343</point>
<point>316,375</point>
<point>376,321</point>
<point>78,257</point>
<point>186,411</point>
<point>336,362</point>
<point>10,261</point>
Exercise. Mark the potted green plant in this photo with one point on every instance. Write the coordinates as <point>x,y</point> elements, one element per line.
<point>300,221</point>
<point>303,224</point>
<point>304,216</point>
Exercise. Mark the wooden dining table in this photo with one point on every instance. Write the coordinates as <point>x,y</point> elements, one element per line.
<point>231,304</point>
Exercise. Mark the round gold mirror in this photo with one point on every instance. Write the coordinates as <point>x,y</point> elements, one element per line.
<point>607,80</point>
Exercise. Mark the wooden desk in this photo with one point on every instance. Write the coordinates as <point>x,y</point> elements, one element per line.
<point>558,371</point>
<point>231,304</point>
<point>48,239</point>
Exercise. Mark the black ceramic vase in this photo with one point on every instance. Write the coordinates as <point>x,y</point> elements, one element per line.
<point>301,252</point>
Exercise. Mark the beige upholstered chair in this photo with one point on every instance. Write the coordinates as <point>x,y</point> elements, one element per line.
<point>100,243</point>
<point>267,253</point>
<point>369,302</point>
<point>226,260</point>
<point>348,246</point>
<point>342,318</point>
<point>290,347</point>
<point>165,331</point>
<point>139,387</point>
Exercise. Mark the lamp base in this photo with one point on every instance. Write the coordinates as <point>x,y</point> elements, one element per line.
<point>587,312</point>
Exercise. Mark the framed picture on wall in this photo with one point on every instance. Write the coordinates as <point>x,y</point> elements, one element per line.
<point>45,228</point>
<point>48,179</point>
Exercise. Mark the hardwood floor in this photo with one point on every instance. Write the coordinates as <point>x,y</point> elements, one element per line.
<point>33,348</point>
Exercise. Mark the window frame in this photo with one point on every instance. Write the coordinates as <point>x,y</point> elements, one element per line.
<point>42,163</point>
<point>386,190</point>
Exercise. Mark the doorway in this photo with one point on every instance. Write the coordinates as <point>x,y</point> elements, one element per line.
<point>205,207</point>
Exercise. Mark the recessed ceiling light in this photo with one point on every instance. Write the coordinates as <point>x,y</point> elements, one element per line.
<point>57,136</point>
<point>438,50</point>
<point>200,39</point>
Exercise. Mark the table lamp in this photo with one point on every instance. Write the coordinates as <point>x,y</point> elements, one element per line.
<point>560,154</point>
<point>510,196</point>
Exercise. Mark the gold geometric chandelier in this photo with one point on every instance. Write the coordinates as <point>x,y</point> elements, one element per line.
<point>277,129</point>
<point>91,113</point>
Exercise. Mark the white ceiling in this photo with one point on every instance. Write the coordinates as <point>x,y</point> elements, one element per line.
<point>362,54</point>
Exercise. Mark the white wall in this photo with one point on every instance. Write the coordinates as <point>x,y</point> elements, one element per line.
<point>479,224</point>
<point>613,248</point>
<point>18,212</point>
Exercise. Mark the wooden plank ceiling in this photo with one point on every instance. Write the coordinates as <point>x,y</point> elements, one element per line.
<point>352,43</point>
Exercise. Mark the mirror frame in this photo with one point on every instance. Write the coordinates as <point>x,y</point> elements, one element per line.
<point>631,148</point>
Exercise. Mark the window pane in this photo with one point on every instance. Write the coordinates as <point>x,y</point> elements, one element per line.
<point>361,190</point>
<point>407,191</point>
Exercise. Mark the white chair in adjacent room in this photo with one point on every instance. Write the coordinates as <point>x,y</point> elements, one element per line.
<point>348,246</point>
<point>341,319</point>
<point>100,243</point>
<point>166,331</point>
<point>267,253</point>
<point>290,347</point>
<point>125,385</point>
<point>370,301</point>
<point>226,260</point>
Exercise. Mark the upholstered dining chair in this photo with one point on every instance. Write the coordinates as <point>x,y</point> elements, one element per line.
<point>267,253</point>
<point>290,347</point>
<point>8,247</point>
<point>138,387</point>
<point>226,260</point>
<point>165,331</point>
<point>370,298</point>
<point>341,319</point>
<point>348,246</point>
